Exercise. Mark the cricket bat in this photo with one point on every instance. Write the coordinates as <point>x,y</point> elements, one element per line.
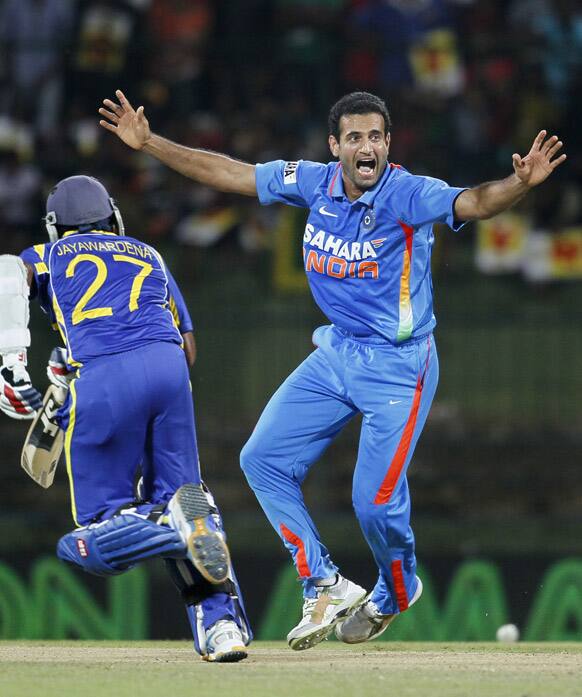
<point>44,442</point>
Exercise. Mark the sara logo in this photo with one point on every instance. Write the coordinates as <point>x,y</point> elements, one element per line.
<point>290,173</point>
<point>352,251</point>
<point>338,257</point>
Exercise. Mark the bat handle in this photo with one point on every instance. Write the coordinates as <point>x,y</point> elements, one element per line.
<point>60,394</point>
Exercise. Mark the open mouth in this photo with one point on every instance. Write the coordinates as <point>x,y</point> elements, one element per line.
<point>366,166</point>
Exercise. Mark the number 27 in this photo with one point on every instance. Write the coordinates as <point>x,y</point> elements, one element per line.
<point>79,313</point>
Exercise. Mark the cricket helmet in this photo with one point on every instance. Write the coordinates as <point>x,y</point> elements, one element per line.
<point>77,201</point>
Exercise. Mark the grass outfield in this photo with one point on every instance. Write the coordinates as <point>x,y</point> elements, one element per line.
<point>115,669</point>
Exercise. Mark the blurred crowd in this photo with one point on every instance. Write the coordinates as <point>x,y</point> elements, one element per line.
<point>468,82</point>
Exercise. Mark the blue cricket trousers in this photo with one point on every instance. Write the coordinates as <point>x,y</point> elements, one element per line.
<point>125,411</point>
<point>393,388</point>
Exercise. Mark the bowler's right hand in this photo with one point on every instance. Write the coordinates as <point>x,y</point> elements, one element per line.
<point>128,124</point>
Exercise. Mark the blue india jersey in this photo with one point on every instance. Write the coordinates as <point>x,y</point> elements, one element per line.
<point>367,261</point>
<point>106,294</point>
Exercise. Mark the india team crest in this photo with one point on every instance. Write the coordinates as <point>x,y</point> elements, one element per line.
<point>368,221</point>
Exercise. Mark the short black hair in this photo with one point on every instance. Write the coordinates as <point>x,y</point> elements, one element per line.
<point>357,103</point>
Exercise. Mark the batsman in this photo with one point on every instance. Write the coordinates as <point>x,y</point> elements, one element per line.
<point>127,408</point>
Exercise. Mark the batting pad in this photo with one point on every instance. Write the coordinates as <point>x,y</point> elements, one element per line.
<point>118,544</point>
<point>14,312</point>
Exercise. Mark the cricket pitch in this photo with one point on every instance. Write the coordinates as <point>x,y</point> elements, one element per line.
<point>151,669</point>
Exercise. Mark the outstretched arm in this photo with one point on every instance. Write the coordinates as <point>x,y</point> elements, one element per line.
<point>487,200</point>
<point>209,168</point>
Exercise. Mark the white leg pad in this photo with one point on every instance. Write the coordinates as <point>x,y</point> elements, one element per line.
<point>14,311</point>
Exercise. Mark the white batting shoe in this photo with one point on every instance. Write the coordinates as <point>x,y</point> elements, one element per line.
<point>322,613</point>
<point>367,623</point>
<point>224,643</point>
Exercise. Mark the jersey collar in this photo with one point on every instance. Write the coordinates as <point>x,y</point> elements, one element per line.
<point>336,187</point>
<point>68,233</point>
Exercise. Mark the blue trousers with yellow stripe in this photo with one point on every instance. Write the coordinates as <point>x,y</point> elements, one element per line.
<point>393,388</point>
<point>128,411</point>
<point>131,411</point>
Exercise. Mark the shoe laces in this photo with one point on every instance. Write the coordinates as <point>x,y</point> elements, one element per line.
<point>309,605</point>
<point>371,612</point>
<point>371,609</point>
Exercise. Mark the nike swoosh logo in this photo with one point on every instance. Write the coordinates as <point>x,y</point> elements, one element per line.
<point>395,401</point>
<point>324,212</point>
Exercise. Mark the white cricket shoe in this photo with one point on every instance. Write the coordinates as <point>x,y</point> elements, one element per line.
<point>367,623</point>
<point>224,643</point>
<point>322,613</point>
<point>191,515</point>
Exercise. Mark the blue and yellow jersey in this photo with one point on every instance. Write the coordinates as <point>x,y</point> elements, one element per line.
<point>106,294</point>
<point>367,261</point>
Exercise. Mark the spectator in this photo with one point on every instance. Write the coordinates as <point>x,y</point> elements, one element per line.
<point>560,27</point>
<point>179,31</point>
<point>107,52</point>
<point>35,35</point>
<point>20,204</point>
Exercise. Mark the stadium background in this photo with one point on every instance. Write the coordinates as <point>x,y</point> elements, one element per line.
<point>496,475</point>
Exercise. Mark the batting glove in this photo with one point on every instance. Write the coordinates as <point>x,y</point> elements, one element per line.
<point>57,370</point>
<point>18,398</point>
